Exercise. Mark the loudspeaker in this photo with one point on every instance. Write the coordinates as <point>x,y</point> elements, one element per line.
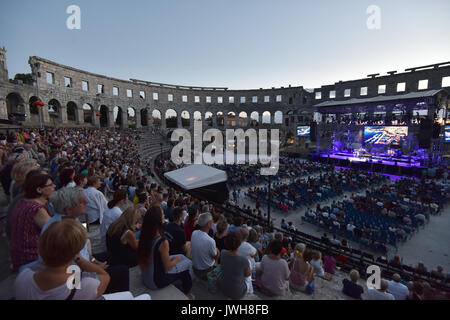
<point>436,130</point>
<point>313,130</point>
<point>425,133</point>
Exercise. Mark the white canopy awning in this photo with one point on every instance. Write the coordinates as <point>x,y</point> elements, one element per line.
<point>196,176</point>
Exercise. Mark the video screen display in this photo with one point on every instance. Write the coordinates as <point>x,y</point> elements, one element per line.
<point>303,131</point>
<point>447,133</point>
<point>385,135</point>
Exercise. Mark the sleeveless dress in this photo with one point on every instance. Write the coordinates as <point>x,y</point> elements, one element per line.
<point>24,233</point>
<point>156,277</point>
<point>120,254</point>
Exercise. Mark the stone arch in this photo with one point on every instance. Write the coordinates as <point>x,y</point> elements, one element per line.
<point>144,116</point>
<point>131,116</point>
<point>243,119</point>
<point>209,118</point>
<point>185,118</point>
<point>171,118</point>
<point>33,108</point>
<point>118,116</point>
<point>254,118</point>
<point>15,105</point>
<point>88,113</point>
<point>157,117</point>
<point>220,119</point>
<point>231,119</point>
<point>54,109</point>
<point>278,117</point>
<point>104,111</point>
<point>197,116</point>
<point>72,111</point>
<point>266,117</point>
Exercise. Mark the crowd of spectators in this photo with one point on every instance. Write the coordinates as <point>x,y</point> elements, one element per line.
<point>385,215</point>
<point>96,177</point>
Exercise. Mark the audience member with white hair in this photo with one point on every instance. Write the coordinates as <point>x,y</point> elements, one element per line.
<point>379,294</point>
<point>397,289</point>
<point>351,287</point>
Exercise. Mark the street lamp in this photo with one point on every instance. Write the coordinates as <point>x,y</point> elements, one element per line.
<point>268,205</point>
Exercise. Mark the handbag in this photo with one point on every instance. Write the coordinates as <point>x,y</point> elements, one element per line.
<point>214,277</point>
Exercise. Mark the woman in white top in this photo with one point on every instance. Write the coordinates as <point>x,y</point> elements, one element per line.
<point>316,262</point>
<point>59,246</point>
<point>112,213</point>
<point>66,177</point>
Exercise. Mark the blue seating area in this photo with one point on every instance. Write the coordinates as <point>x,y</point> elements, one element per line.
<point>378,223</point>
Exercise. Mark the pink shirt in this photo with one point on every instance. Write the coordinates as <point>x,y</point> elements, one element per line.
<point>328,264</point>
<point>25,233</point>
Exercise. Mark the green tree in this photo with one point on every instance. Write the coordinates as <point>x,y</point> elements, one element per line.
<point>25,77</point>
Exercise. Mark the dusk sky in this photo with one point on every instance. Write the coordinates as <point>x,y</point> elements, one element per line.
<point>239,44</point>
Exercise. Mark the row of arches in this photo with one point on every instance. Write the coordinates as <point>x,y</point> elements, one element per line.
<point>241,119</point>
<point>130,116</point>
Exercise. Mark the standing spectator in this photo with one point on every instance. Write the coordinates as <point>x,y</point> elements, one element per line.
<point>275,271</point>
<point>351,287</point>
<point>397,289</point>
<point>28,217</point>
<point>235,268</point>
<point>97,203</point>
<point>203,248</point>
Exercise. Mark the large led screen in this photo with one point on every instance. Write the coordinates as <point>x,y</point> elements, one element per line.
<point>447,133</point>
<point>303,131</point>
<point>385,135</point>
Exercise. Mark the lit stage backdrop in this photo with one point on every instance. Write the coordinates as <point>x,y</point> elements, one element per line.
<point>385,135</point>
<point>447,133</point>
<point>303,131</point>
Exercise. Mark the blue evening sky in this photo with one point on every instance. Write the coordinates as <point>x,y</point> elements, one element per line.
<point>239,44</point>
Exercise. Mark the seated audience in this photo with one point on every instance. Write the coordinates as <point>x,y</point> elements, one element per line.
<point>59,246</point>
<point>329,263</point>
<point>70,203</point>
<point>351,287</point>
<point>97,203</point>
<point>28,217</point>
<point>121,240</point>
<point>189,224</point>
<point>301,272</point>
<point>275,271</point>
<point>220,234</point>
<point>235,268</point>
<point>378,294</point>
<point>112,213</point>
<point>158,268</point>
<point>203,248</point>
<point>175,233</point>
<point>397,289</point>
